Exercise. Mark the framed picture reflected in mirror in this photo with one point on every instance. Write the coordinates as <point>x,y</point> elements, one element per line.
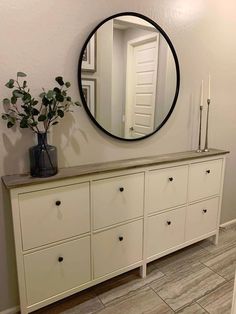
<point>89,56</point>
<point>89,92</point>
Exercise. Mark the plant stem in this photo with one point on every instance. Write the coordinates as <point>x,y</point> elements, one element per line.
<point>45,147</point>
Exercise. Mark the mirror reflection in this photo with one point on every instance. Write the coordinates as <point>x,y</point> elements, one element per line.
<point>128,77</point>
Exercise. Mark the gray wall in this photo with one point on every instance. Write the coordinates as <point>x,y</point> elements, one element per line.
<point>44,38</point>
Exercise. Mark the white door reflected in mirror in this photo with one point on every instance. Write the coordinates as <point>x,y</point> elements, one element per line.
<point>135,76</point>
<point>141,77</point>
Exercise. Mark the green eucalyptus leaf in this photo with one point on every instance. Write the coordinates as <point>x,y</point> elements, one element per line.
<point>6,101</point>
<point>5,116</point>
<point>12,119</point>
<point>50,94</point>
<point>45,101</point>
<point>18,94</point>
<point>64,93</point>
<point>51,114</point>
<point>10,83</point>
<point>26,109</point>
<point>34,123</point>
<point>77,103</point>
<point>34,111</point>
<point>55,122</point>
<point>59,80</point>
<point>34,102</point>
<point>21,74</point>
<point>24,84</point>
<point>42,117</point>
<point>13,100</point>
<point>57,90</point>
<point>67,84</point>
<point>10,124</point>
<point>59,97</point>
<point>68,98</point>
<point>60,113</point>
<point>26,98</point>
<point>24,123</point>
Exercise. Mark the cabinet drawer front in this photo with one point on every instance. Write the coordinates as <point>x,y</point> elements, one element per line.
<point>204,179</point>
<point>201,218</point>
<point>167,188</point>
<point>117,248</point>
<point>47,274</point>
<point>117,199</point>
<point>55,214</point>
<point>165,231</point>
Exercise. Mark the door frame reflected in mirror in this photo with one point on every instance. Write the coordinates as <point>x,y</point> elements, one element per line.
<point>162,32</point>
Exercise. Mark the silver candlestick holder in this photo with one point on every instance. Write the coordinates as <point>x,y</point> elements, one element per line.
<point>206,149</point>
<point>199,150</point>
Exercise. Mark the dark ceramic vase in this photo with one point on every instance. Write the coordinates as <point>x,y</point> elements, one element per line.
<point>43,158</point>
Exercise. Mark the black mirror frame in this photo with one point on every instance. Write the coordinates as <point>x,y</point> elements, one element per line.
<point>176,65</point>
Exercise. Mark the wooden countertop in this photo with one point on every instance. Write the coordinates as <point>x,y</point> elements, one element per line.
<point>19,180</point>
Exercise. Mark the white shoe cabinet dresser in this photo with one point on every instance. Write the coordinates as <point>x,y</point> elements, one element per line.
<point>93,222</point>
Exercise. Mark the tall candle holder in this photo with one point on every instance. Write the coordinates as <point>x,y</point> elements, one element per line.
<point>206,149</point>
<point>199,150</point>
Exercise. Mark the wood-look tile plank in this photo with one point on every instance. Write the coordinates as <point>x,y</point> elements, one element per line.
<point>219,300</point>
<point>124,286</point>
<point>223,263</point>
<point>182,288</point>
<point>145,301</point>
<point>85,302</point>
<point>192,309</point>
<point>227,240</point>
<point>88,307</point>
<point>181,259</point>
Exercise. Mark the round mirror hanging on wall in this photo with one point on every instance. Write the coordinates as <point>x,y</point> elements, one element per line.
<point>128,76</point>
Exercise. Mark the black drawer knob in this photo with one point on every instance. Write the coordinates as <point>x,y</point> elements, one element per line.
<point>171,179</point>
<point>121,189</point>
<point>204,211</point>
<point>208,171</point>
<point>58,203</point>
<point>121,238</point>
<point>168,222</point>
<point>60,259</point>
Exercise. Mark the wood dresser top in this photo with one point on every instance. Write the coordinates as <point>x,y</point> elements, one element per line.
<point>19,180</point>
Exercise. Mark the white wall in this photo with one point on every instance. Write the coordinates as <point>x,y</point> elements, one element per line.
<point>44,38</point>
<point>118,83</point>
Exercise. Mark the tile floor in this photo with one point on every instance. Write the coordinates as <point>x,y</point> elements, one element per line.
<point>196,280</point>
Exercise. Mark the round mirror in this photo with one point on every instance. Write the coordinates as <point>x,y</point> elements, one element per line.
<point>128,76</point>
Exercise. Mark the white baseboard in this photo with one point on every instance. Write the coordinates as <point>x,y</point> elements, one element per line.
<point>225,224</point>
<point>12,310</point>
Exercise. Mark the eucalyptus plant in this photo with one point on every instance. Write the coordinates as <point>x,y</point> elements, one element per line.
<point>38,114</point>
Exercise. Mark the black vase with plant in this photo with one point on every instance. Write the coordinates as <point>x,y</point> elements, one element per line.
<point>39,115</point>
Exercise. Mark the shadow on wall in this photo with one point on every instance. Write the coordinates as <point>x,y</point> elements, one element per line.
<point>16,157</point>
<point>65,137</point>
